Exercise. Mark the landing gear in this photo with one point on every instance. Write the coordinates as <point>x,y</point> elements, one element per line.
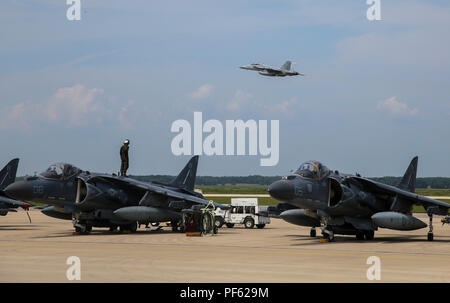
<point>365,234</point>
<point>312,232</point>
<point>359,235</point>
<point>328,234</point>
<point>430,232</point>
<point>327,231</point>
<point>175,226</point>
<point>83,229</point>
<point>132,228</point>
<point>369,234</point>
<point>81,226</point>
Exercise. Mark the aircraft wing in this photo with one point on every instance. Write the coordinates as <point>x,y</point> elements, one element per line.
<point>272,70</point>
<point>153,188</point>
<point>384,189</point>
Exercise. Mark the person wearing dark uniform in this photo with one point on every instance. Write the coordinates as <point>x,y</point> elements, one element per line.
<point>124,158</point>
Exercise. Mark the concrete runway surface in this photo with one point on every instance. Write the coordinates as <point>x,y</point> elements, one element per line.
<point>281,252</point>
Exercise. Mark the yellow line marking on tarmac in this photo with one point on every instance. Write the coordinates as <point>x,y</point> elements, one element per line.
<point>225,250</point>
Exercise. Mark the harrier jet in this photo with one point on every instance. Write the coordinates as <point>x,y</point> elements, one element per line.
<point>283,71</point>
<point>8,176</point>
<point>102,200</point>
<point>352,205</point>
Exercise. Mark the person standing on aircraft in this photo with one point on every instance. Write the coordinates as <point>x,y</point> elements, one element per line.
<point>124,158</point>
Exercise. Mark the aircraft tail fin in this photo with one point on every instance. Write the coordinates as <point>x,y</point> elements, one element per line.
<point>409,179</point>
<point>8,173</point>
<point>286,65</point>
<point>186,178</point>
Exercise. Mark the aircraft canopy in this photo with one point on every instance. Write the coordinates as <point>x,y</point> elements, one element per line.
<point>60,171</point>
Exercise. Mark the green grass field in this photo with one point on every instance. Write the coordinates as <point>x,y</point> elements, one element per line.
<point>234,189</point>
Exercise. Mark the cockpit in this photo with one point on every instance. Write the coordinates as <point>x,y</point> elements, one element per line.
<point>60,171</point>
<point>312,170</point>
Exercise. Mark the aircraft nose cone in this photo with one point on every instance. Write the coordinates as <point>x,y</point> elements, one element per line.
<point>282,190</point>
<point>18,190</point>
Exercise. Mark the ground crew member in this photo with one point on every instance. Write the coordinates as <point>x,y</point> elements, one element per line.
<point>124,158</point>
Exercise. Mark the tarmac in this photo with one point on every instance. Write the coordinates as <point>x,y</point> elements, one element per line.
<point>281,252</point>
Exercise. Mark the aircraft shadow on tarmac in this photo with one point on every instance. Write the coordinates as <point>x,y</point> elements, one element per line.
<point>141,232</point>
<point>381,239</point>
<point>19,227</point>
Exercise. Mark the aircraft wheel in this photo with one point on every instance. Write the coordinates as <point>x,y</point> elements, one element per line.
<point>312,233</point>
<point>133,227</point>
<point>359,235</point>
<point>369,235</point>
<point>113,228</point>
<point>328,236</point>
<point>124,228</point>
<point>260,226</point>
<point>175,226</point>
<point>78,229</point>
<point>230,225</point>
<point>218,222</point>
<point>182,228</point>
<point>249,223</point>
<point>328,233</point>
<point>331,236</point>
<point>430,237</point>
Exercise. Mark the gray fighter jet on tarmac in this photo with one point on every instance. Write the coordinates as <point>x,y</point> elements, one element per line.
<point>283,71</point>
<point>102,200</point>
<point>8,176</point>
<point>352,205</point>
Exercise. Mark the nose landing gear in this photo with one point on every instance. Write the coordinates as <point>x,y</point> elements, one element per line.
<point>430,232</point>
<point>327,234</point>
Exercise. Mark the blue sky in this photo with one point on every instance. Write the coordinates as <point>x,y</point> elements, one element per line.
<point>375,94</point>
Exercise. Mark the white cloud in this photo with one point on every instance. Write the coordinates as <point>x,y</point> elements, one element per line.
<point>240,97</point>
<point>286,107</point>
<point>18,116</point>
<point>76,105</point>
<point>202,92</point>
<point>68,107</point>
<point>396,108</point>
<point>124,115</point>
